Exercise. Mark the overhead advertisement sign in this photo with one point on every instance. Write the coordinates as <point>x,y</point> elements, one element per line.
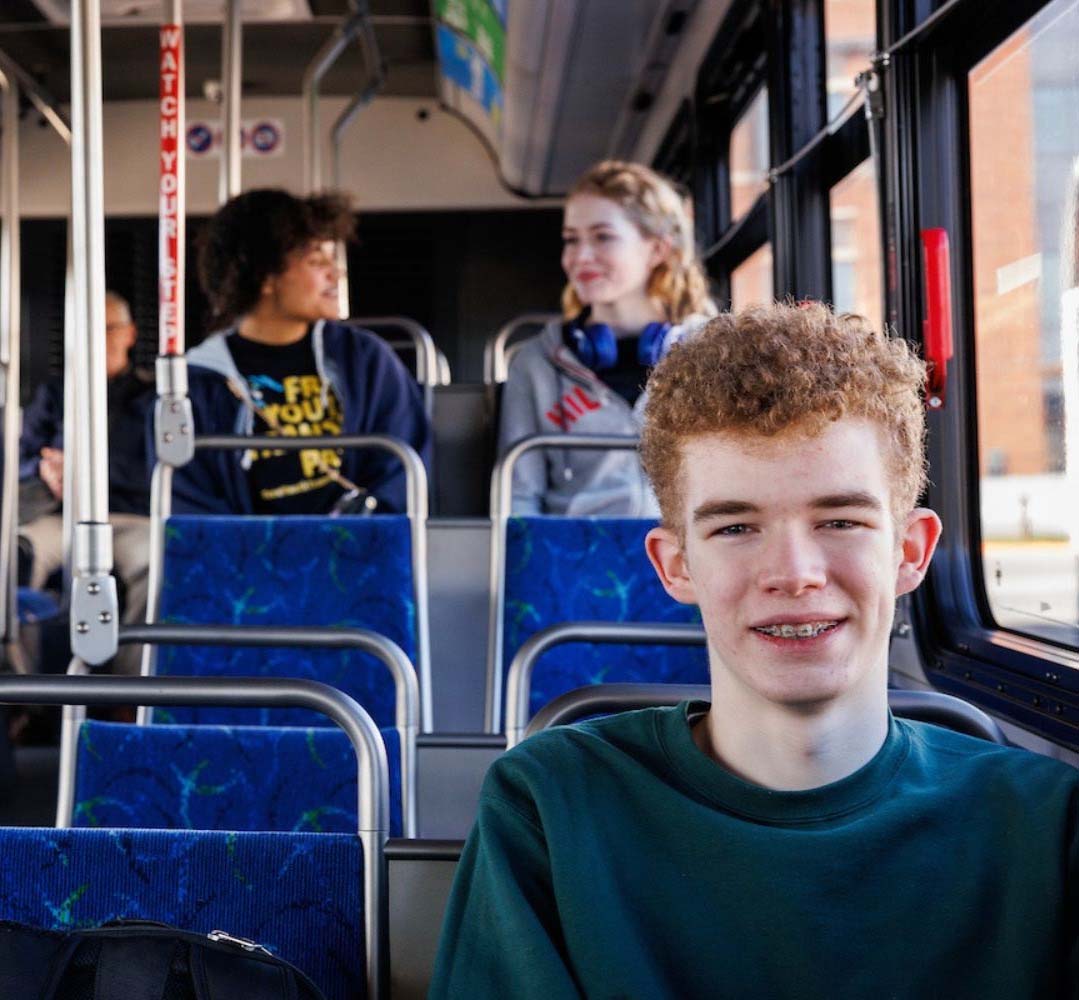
<point>478,21</point>
<point>471,41</point>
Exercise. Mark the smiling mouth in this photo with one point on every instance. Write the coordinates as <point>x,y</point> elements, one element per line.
<point>802,630</point>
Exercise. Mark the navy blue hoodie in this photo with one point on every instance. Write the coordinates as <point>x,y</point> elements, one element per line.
<point>130,396</point>
<point>377,393</point>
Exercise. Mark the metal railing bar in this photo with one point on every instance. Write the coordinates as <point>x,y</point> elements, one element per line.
<point>416,509</point>
<point>501,502</point>
<point>495,362</point>
<point>519,676</point>
<point>256,692</point>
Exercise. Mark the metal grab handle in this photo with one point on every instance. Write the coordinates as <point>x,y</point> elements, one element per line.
<point>305,636</point>
<point>602,699</point>
<point>605,699</point>
<point>255,692</point>
<point>519,678</point>
<point>495,361</point>
<point>502,477</point>
<point>415,473</point>
<point>415,507</point>
<point>427,355</point>
<point>407,711</point>
<point>501,502</point>
<point>320,65</point>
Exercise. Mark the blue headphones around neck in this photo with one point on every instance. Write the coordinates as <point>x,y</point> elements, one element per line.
<point>596,345</point>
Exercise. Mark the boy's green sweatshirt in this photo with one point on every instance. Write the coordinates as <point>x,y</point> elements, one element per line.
<point>614,859</point>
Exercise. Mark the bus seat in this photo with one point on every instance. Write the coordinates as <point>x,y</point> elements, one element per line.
<point>298,894</point>
<point>463,450</point>
<point>255,778</point>
<point>285,571</point>
<point>573,569</point>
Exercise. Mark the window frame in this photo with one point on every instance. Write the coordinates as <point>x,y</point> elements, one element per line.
<point>1030,681</point>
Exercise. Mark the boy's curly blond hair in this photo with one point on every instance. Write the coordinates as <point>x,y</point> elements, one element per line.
<point>773,369</point>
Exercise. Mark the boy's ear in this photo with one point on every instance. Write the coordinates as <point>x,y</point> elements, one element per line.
<point>668,559</point>
<point>917,543</point>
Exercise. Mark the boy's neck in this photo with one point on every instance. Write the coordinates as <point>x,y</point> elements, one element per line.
<point>787,748</point>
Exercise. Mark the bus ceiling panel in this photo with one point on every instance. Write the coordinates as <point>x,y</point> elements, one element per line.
<point>131,12</point>
<point>571,97</point>
<point>275,52</point>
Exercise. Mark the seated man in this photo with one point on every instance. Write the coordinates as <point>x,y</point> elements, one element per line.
<point>792,838</point>
<point>284,366</point>
<point>41,472</point>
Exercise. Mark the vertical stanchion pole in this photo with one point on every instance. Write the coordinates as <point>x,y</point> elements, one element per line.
<point>232,92</point>
<point>173,422</point>
<point>72,436</point>
<point>93,591</point>
<point>171,172</point>
<point>10,335</point>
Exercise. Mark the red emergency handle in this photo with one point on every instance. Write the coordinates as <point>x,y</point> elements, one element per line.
<point>937,325</point>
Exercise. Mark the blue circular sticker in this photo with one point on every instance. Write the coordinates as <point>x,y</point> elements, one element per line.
<point>199,138</point>
<point>265,137</point>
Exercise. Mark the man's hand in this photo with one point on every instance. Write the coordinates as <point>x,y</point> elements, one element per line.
<point>51,471</point>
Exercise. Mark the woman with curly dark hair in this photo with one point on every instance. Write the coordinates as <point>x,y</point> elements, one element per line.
<point>283,364</point>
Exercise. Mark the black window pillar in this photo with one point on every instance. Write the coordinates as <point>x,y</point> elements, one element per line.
<point>797,112</point>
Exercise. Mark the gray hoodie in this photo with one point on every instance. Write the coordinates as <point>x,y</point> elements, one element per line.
<point>549,391</point>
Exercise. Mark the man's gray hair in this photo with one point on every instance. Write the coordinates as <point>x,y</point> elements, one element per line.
<point>116,299</point>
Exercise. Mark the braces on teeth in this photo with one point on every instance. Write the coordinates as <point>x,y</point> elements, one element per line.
<point>806,631</point>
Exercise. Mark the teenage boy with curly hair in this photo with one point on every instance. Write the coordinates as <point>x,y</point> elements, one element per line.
<point>284,365</point>
<point>791,838</point>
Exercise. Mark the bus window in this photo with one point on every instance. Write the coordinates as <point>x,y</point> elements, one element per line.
<point>749,155</point>
<point>751,281</point>
<point>850,34</point>
<point>1024,154</point>
<point>856,265</point>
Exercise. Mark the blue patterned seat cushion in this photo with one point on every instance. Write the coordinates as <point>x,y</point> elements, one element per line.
<point>298,894</point>
<point>590,569</point>
<point>279,571</point>
<point>223,778</point>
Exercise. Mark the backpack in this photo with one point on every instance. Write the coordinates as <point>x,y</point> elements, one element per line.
<point>142,960</point>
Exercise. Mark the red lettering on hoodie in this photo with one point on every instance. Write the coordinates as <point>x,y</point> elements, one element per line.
<point>585,400</point>
<point>571,407</point>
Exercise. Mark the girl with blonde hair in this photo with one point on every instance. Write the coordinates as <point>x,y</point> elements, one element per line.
<point>634,287</point>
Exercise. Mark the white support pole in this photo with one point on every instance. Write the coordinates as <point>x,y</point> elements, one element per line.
<point>173,422</point>
<point>93,592</point>
<point>232,92</point>
<point>10,343</point>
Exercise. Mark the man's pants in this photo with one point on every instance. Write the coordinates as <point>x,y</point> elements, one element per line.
<point>130,556</point>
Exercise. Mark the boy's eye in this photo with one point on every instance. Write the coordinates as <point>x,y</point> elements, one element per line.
<point>841,522</point>
<point>730,530</point>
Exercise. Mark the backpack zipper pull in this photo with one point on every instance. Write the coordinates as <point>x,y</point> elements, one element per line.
<point>225,937</point>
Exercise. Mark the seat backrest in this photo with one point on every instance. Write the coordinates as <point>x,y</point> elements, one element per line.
<point>282,571</point>
<point>575,569</point>
<point>298,894</point>
<point>253,778</point>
